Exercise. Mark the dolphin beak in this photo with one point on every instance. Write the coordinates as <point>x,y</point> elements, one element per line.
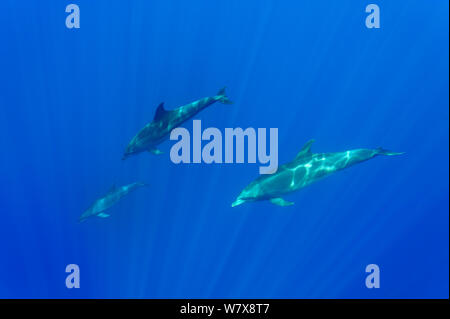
<point>237,202</point>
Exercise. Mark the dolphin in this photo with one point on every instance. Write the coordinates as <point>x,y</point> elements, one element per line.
<point>305,169</point>
<point>164,121</point>
<point>103,203</point>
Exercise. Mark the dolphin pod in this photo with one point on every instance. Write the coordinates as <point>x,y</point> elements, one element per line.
<point>147,139</point>
<point>305,169</point>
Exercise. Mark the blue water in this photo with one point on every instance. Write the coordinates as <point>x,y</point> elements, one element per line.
<point>72,99</point>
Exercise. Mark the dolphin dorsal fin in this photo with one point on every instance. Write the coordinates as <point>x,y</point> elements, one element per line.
<point>306,149</point>
<point>160,111</point>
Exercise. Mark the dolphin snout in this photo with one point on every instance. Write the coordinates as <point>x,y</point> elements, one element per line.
<point>127,154</point>
<point>237,202</point>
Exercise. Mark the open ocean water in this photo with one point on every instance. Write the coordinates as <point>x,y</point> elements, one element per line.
<point>71,100</point>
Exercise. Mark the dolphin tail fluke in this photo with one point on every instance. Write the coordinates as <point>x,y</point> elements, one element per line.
<point>223,97</point>
<point>382,151</point>
<point>143,184</point>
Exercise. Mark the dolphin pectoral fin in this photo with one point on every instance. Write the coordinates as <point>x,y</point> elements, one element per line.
<point>103,215</point>
<point>281,202</point>
<point>155,151</point>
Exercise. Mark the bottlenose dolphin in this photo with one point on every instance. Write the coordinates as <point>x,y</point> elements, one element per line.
<point>306,168</point>
<point>164,121</point>
<point>103,203</point>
